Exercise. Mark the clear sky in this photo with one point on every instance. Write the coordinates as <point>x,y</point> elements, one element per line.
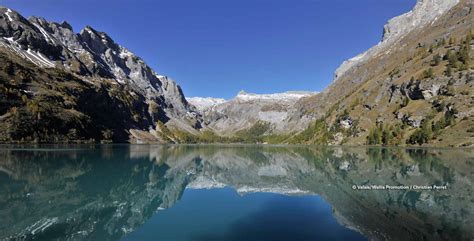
<point>218,47</point>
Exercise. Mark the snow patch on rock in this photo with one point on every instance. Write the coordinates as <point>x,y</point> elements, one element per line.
<point>289,95</point>
<point>205,103</point>
<point>35,57</point>
<point>8,12</point>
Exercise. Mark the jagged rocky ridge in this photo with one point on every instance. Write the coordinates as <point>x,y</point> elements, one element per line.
<point>146,179</point>
<point>93,58</point>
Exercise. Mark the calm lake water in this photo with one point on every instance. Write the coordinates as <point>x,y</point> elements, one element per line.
<point>235,193</point>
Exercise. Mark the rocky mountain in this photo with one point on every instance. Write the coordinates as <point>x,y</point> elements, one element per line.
<point>247,110</point>
<point>414,87</point>
<point>93,61</point>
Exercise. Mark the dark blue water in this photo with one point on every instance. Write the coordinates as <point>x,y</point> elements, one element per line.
<point>224,215</point>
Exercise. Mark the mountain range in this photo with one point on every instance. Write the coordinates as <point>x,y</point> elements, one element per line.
<point>247,109</point>
<point>413,88</point>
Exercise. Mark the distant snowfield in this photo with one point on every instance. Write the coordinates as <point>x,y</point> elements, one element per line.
<point>205,103</point>
<point>289,95</point>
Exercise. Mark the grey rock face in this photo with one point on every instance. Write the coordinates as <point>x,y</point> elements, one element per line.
<point>16,27</point>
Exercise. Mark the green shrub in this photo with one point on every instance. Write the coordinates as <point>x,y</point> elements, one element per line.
<point>375,136</point>
<point>422,135</point>
<point>405,102</point>
<point>436,60</point>
<point>254,134</point>
<point>385,135</point>
<point>427,74</point>
<point>316,133</point>
<point>107,135</point>
<point>449,71</point>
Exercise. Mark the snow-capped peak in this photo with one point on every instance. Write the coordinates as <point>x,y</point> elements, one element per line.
<point>205,103</point>
<point>289,95</point>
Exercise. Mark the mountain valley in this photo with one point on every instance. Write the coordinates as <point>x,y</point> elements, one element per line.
<point>414,88</point>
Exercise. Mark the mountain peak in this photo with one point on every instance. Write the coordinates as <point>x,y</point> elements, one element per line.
<point>37,19</point>
<point>205,103</point>
<point>88,30</point>
<point>242,92</point>
<point>93,32</point>
<point>10,14</point>
<point>66,25</point>
<point>97,41</point>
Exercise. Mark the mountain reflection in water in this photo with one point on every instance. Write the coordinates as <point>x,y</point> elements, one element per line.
<point>114,192</point>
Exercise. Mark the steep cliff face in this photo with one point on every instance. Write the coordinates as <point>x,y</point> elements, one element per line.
<point>419,75</point>
<point>94,58</point>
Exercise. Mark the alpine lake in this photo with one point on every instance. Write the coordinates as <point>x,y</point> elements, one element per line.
<point>235,193</point>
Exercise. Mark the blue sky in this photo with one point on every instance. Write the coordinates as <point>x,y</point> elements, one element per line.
<point>218,47</point>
